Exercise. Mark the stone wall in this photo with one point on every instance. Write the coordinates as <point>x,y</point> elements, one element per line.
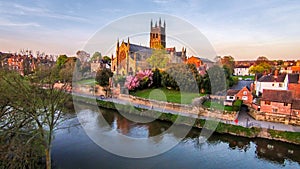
<point>262,116</point>
<point>188,109</point>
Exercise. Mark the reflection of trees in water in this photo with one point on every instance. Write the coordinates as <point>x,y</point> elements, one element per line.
<point>267,150</point>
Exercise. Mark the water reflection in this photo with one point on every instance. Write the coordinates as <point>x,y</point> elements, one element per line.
<point>219,151</point>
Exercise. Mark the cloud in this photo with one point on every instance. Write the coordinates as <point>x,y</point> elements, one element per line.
<point>4,22</point>
<point>18,9</point>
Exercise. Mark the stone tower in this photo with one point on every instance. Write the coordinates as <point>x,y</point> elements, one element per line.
<point>158,35</point>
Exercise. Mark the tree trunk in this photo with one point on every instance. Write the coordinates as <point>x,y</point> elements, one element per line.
<point>48,158</point>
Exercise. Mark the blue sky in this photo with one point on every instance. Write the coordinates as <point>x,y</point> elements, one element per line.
<point>244,29</point>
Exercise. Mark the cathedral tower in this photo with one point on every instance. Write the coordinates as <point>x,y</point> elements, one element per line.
<point>158,35</point>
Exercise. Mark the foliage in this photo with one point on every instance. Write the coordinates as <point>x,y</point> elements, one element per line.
<point>228,62</point>
<point>181,77</point>
<point>218,79</point>
<point>158,59</point>
<point>96,56</point>
<point>260,68</point>
<point>106,59</point>
<point>290,136</point>
<point>83,56</point>
<point>39,104</point>
<point>237,105</point>
<point>157,77</point>
<point>142,80</point>
<point>61,60</point>
<point>102,77</point>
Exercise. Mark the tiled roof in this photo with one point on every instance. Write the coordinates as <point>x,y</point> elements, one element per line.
<point>232,92</point>
<point>139,48</point>
<point>296,104</point>
<point>271,78</point>
<point>282,96</point>
<point>242,66</point>
<point>241,84</point>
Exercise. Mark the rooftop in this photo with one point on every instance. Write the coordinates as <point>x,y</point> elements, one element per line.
<point>281,96</point>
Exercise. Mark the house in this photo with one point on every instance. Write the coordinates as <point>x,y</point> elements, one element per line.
<point>240,91</point>
<point>294,85</point>
<point>296,108</point>
<point>295,69</point>
<point>277,102</point>
<point>230,97</point>
<point>194,60</point>
<point>271,82</point>
<point>96,65</point>
<point>241,71</point>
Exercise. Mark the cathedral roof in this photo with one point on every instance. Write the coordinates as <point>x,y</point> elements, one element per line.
<point>139,48</point>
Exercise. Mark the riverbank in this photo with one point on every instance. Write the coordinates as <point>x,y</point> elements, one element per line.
<point>223,128</point>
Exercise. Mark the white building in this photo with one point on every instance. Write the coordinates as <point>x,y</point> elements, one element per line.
<point>241,71</point>
<point>271,82</point>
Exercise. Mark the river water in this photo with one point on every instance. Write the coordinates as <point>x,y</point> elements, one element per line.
<point>73,148</point>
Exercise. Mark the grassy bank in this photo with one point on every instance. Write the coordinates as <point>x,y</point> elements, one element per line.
<point>291,137</point>
<point>286,135</point>
<point>163,94</point>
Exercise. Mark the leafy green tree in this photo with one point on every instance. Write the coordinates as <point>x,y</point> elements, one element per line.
<point>40,104</point>
<point>96,56</point>
<point>260,68</point>
<point>61,60</point>
<point>158,59</point>
<point>180,77</point>
<point>218,79</point>
<point>106,59</point>
<point>157,77</point>
<point>102,78</point>
<point>228,61</point>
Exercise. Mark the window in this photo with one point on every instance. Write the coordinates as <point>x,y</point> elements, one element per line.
<point>245,92</point>
<point>244,98</point>
<point>285,104</point>
<point>280,84</point>
<point>267,102</point>
<point>273,84</point>
<point>275,110</point>
<point>296,112</point>
<point>231,97</point>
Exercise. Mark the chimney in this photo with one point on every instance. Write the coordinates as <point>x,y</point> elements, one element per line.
<point>276,74</point>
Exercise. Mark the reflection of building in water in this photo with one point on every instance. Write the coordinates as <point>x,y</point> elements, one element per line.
<point>131,58</point>
<point>276,151</point>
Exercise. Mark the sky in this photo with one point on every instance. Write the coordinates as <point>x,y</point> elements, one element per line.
<point>243,29</point>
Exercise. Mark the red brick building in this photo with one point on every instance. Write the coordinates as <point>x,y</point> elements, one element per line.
<point>296,108</point>
<point>245,94</point>
<point>294,85</point>
<point>276,102</point>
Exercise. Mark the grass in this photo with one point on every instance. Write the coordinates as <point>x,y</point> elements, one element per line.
<point>245,77</point>
<point>291,136</point>
<point>163,94</point>
<point>87,82</point>
<point>218,106</point>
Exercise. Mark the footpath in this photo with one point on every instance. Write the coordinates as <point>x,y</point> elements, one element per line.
<point>243,118</point>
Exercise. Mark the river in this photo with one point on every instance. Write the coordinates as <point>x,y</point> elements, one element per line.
<point>73,148</point>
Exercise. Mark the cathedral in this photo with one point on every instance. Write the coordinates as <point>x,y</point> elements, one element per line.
<point>130,58</point>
